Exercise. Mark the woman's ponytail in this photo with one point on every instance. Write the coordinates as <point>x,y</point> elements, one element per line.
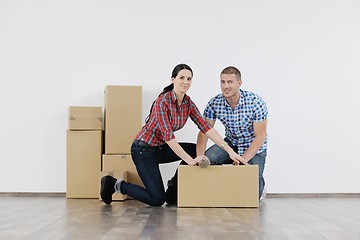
<point>165,90</point>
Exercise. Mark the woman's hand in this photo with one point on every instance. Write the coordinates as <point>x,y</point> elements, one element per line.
<point>197,160</point>
<point>192,162</point>
<point>237,159</point>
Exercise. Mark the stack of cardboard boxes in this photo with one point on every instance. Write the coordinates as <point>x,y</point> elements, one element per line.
<point>122,122</point>
<point>85,158</point>
<point>83,152</point>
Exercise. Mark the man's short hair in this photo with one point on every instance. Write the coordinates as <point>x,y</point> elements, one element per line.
<point>231,70</point>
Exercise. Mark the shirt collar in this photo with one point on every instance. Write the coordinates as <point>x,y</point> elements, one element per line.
<point>174,99</point>
<point>241,100</point>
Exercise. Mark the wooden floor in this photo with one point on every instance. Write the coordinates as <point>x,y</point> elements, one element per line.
<point>276,218</point>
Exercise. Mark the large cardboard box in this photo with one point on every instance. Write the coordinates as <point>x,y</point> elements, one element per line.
<point>85,118</point>
<point>83,163</point>
<point>121,163</point>
<point>123,175</point>
<point>218,186</point>
<point>122,117</point>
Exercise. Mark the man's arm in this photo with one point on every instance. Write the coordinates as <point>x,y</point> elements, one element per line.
<point>202,140</point>
<point>260,135</point>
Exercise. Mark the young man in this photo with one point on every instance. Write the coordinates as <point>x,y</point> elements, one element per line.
<point>244,115</point>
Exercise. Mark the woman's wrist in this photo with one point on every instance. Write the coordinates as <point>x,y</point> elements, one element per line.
<point>189,160</point>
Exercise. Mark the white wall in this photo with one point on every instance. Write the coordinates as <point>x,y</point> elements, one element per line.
<point>301,56</point>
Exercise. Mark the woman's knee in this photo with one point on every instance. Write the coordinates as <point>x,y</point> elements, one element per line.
<point>158,200</point>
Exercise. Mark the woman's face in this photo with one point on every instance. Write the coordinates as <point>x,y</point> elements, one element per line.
<point>182,81</point>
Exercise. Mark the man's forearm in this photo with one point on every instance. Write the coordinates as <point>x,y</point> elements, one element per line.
<point>254,147</point>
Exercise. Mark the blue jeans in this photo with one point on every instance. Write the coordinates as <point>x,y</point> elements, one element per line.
<point>147,159</point>
<point>218,156</point>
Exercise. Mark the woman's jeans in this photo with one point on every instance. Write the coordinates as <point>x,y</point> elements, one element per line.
<point>218,156</point>
<point>147,159</point>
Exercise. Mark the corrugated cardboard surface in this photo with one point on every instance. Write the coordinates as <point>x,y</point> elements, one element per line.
<point>85,118</point>
<point>121,163</point>
<point>83,163</point>
<point>117,175</point>
<point>123,117</point>
<point>218,186</point>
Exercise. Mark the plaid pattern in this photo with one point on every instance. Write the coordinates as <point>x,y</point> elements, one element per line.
<point>167,117</point>
<point>238,123</point>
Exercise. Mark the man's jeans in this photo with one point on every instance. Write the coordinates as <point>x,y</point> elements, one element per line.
<point>147,159</point>
<point>218,156</point>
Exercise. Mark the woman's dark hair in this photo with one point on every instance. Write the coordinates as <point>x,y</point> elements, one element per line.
<point>170,87</point>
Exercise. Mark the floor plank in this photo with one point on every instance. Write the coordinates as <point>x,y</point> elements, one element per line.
<point>276,218</point>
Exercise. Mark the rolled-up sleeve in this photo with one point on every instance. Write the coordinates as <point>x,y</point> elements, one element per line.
<point>161,110</point>
<point>198,119</point>
<point>209,111</point>
<point>260,109</point>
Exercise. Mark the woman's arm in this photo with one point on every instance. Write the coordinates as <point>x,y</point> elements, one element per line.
<point>218,140</point>
<point>202,140</point>
<point>178,150</point>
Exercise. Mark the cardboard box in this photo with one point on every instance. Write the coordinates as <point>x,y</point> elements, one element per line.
<point>121,163</point>
<point>116,196</point>
<point>85,118</point>
<point>83,163</point>
<point>218,186</point>
<point>123,117</point>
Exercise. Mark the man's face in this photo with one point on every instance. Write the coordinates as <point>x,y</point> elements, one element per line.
<point>230,85</point>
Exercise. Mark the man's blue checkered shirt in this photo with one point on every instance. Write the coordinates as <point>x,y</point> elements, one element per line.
<point>238,123</point>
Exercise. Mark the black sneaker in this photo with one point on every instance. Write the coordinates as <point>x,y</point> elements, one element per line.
<point>107,188</point>
<point>171,191</point>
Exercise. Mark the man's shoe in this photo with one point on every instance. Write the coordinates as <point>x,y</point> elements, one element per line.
<point>263,195</point>
<point>107,188</point>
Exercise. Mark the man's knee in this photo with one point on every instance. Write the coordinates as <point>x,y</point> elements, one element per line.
<point>217,156</point>
<point>213,158</point>
<point>260,161</point>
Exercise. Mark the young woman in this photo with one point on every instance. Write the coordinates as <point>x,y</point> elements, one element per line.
<point>156,144</point>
